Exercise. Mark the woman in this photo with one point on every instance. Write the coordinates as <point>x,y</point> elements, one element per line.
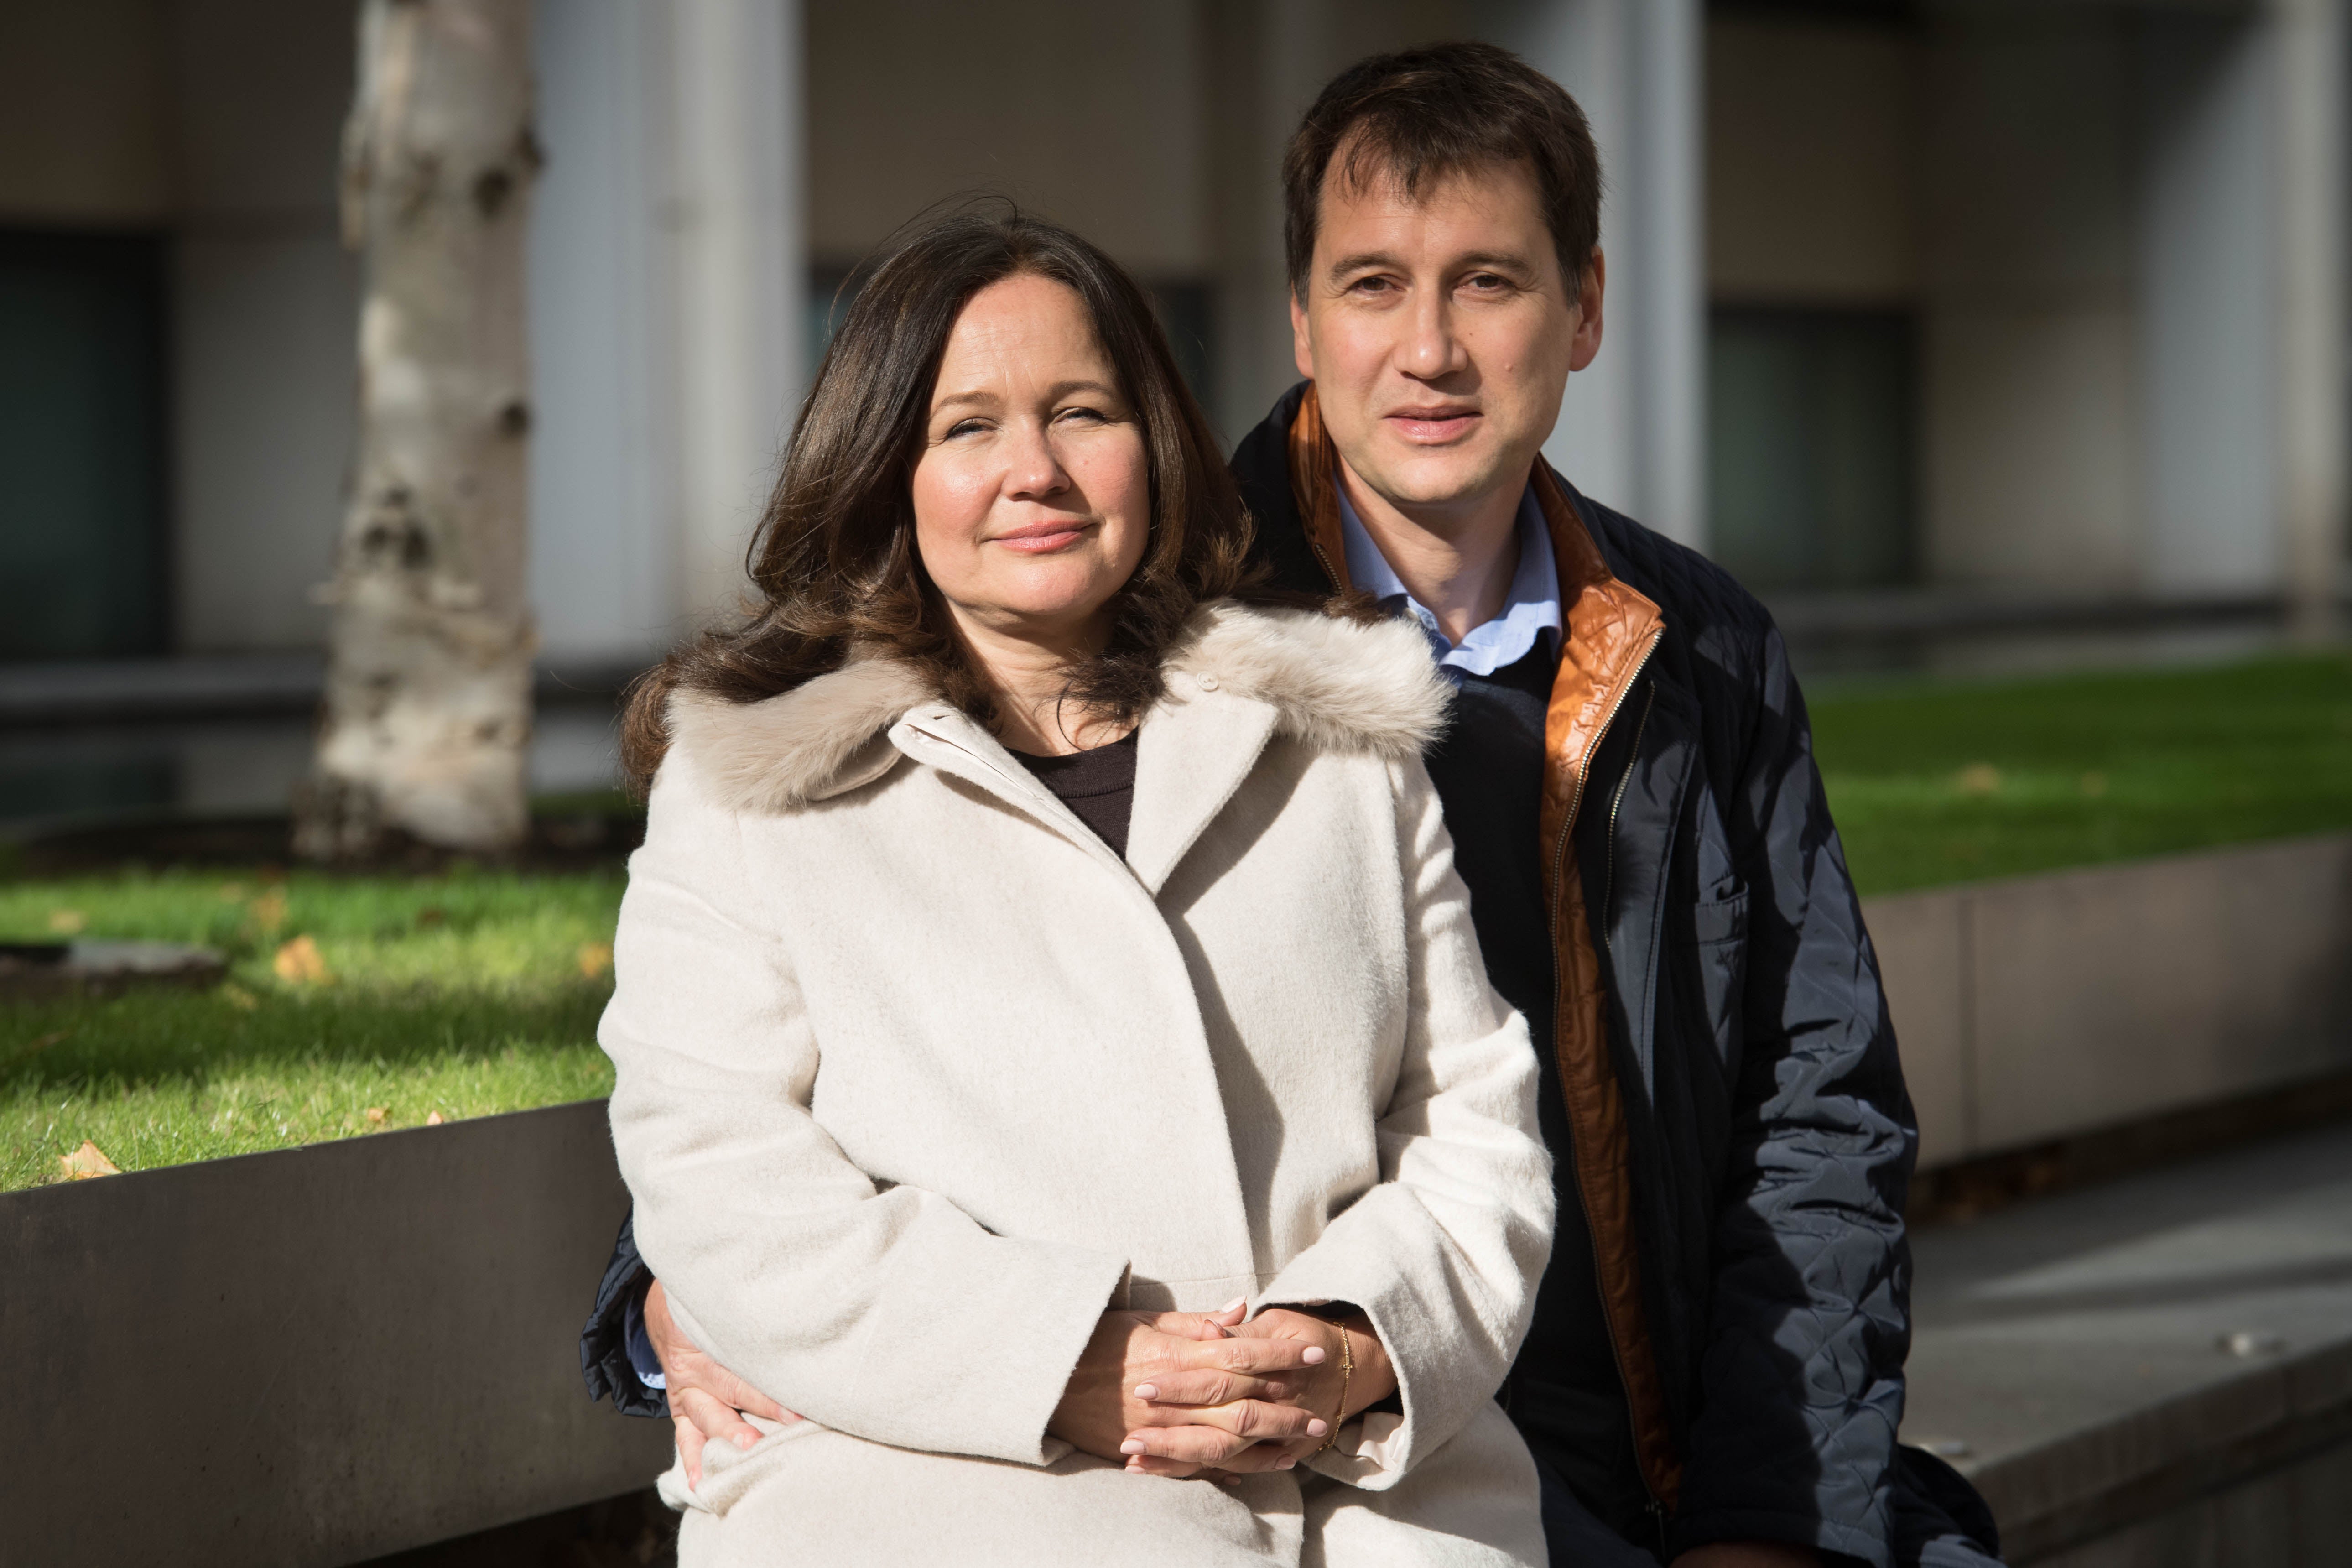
<point>1034,946</point>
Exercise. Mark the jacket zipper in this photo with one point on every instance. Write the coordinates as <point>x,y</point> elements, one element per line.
<point>1617,801</point>
<point>1584,1201</point>
<point>1324,562</point>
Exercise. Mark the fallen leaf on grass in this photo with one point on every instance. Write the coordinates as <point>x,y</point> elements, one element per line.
<point>298,964</point>
<point>268,911</point>
<point>237,996</point>
<point>33,1047</point>
<point>67,922</point>
<point>374,1114</point>
<point>595,957</point>
<point>430,915</point>
<point>1979,778</point>
<point>85,1162</point>
<point>433,1119</point>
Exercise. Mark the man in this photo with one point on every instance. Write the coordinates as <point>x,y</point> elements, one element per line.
<point>1714,1376</point>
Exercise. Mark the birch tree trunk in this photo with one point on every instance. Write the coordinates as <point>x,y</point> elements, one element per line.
<point>427,716</point>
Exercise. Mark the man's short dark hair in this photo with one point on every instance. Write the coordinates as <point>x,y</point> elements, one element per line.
<point>1421,114</point>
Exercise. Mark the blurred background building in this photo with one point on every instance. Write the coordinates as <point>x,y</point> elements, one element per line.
<point>1923,316</point>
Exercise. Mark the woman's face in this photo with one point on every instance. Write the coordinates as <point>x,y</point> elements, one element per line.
<point>1033,495</point>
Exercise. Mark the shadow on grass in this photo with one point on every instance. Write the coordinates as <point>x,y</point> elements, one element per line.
<point>149,1037</point>
<point>354,1004</point>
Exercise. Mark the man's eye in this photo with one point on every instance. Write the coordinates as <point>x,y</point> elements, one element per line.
<point>1371,286</point>
<point>1486,283</point>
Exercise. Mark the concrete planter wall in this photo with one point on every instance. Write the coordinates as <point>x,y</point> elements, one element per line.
<point>325,1354</point>
<point>2045,1006</point>
<point>311,1357</point>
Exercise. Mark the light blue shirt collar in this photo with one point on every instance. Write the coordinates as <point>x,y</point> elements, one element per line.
<point>1531,608</point>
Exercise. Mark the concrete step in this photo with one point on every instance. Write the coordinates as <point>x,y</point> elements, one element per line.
<point>2155,1372</point>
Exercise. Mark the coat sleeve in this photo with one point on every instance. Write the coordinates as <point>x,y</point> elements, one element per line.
<point>1801,1378</point>
<point>1444,1252</point>
<point>887,1314</point>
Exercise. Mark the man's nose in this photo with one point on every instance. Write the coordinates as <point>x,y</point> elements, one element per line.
<point>1431,348</point>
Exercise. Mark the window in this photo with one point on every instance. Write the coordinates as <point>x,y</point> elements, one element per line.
<point>83,550</point>
<point>1812,467</point>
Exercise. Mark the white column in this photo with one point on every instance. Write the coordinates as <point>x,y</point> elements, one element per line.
<point>669,265</point>
<point>1267,61</point>
<point>2311,401</point>
<point>1667,154</point>
<point>1632,429</point>
<point>2208,263</point>
<point>739,228</point>
<point>604,565</point>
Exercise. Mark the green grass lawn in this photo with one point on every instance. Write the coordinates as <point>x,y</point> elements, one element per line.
<point>1942,782</point>
<point>469,994</point>
<point>451,996</point>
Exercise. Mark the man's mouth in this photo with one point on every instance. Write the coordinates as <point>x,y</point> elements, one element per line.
<point>1045,538</point>
<point>1433,426</point>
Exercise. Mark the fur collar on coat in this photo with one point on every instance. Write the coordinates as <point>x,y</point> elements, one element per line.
<point>1335,684</point>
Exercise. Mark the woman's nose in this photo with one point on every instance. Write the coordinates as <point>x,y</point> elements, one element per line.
<point>1034,469</point>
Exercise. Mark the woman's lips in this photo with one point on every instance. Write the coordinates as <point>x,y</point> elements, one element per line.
<point>1043,538</point>
<point>1433,426</point>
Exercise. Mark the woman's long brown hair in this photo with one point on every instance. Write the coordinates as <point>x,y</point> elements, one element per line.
<point>834,561</point>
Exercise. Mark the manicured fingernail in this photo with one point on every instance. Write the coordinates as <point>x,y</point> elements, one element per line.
<point>1316,1428</point>
<point>1313,1355</point>
<point>1146,1391</point>
<point>1132,1446</point>
<point>745,1440</point>
<point>1236,1301</point>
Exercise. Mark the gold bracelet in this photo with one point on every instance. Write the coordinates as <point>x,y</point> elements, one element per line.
<point>1347,1368</point>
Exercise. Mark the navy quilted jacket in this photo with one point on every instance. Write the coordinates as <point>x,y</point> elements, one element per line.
<point>1772,1140</point>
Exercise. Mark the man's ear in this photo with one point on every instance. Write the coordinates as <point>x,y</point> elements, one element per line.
<point>1302,345</point>
<point>1589,288</point>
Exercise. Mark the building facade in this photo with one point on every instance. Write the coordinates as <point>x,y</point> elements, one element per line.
<point>1968,297</point>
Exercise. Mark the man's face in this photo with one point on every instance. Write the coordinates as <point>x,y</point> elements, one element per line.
<point>1440,333</point>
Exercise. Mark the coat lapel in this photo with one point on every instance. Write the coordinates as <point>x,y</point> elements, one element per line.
<point>946,739</point>
<point>1196,747</point>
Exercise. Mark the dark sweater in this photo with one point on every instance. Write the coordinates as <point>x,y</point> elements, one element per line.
<point>1098,786</point>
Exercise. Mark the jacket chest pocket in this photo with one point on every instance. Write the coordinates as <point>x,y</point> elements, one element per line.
<point>1720,931</point>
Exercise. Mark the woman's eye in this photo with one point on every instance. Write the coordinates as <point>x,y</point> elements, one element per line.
<point>962,427</point>
<point>1092,415</point>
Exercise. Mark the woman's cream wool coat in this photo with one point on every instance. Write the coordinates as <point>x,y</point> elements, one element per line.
<point>916,1080</point>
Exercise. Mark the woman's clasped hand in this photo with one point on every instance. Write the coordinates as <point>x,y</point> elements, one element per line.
<point>1193,1394</point>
